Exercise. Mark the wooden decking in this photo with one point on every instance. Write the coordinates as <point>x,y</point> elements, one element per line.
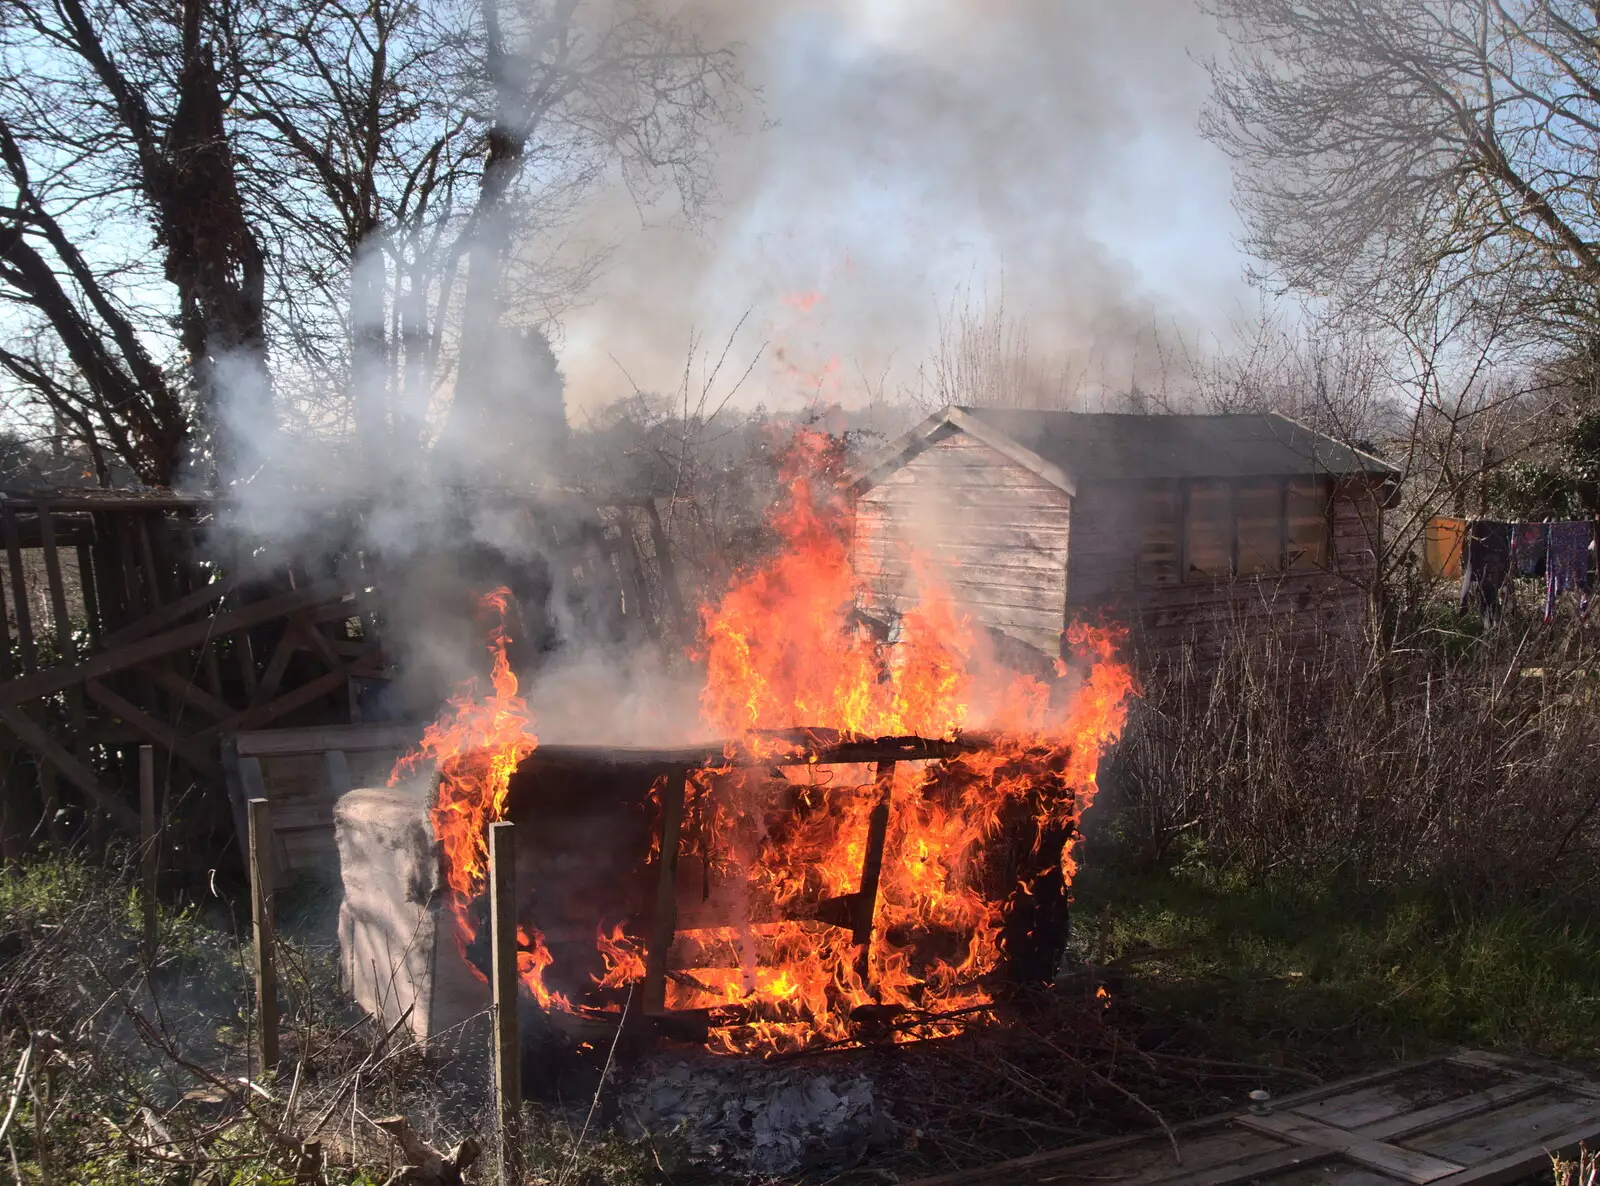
<point>1470,1119</point>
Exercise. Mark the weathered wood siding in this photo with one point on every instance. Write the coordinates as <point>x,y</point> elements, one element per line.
<point>996,533</point>
<point>1127,562</point>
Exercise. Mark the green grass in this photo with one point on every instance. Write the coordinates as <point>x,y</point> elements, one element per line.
<point>1332,980</point>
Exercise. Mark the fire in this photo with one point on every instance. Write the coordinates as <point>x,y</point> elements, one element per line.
<point>475,747</point>
<point>624,963</point>
<point>785,648</point>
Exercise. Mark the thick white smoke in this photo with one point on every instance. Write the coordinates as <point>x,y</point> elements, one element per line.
<point>918,151</point>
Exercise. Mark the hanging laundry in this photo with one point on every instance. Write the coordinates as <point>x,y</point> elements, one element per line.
<point>1441,548</point>
<point>1568,565</point>
<point>1528,543</point>
<point>1488,563</point>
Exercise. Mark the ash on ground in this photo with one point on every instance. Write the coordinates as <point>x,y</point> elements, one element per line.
<point>760,1119</point>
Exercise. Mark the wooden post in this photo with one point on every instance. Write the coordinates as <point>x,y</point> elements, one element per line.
<point>872,859</point>
<point>19,587</point>
<point>866,899</point>
<point>665,923</point>
<point>150,845</point>
<point>261,920</point>
<point>507,1039</point>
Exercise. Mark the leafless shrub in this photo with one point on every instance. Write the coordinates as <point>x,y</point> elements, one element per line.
<point>1467,764</point>
<point>119,1065</point>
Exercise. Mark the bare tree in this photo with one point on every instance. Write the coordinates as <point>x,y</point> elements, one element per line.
<point>115,114</point>
<point>359,180</point>
<point>355,115</point>
<point>1386,147</point>
<point>579,92</point>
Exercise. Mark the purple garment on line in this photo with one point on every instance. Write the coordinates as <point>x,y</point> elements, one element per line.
<point>1528,541</point>
<point>1567,565</point>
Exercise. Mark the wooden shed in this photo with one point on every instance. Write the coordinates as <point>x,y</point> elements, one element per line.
<point>1179,526</point>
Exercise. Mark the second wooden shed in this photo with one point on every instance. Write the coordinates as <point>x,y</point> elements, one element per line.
<point>1179,526</point>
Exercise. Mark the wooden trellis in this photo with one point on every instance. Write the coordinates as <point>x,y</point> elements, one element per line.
<point>119,630</point>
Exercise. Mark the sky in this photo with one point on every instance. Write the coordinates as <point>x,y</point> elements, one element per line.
<point>920,156</point>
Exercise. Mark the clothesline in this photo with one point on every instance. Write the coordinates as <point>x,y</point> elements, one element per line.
<point>1488,552</point>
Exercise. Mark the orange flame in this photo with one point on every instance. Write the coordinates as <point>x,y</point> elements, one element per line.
<point>785,648</point>
<point>475,746</point>
<point>624,963</point>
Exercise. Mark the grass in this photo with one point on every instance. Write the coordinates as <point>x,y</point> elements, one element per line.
<point>1336,980</point>
<point>1330,981</point>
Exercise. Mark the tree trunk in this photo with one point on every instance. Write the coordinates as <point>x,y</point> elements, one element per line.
<point>216,263</point>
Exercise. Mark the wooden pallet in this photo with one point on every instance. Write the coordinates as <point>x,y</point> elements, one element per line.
<point>302,773</point>
<point>1469,1119</point>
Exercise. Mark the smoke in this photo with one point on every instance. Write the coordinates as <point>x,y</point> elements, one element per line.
<point>920,156</point>
<point>901,158</point>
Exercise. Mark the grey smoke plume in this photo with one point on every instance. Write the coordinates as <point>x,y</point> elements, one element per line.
<point>916,150</point>
<point>913,149</point>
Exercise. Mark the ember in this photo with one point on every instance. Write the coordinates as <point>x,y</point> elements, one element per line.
<point>885,827</point>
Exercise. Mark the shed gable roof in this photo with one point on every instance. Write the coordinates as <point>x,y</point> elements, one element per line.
<point>1069,447</point>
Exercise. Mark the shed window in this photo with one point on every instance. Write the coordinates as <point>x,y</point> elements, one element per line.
<point>1210,530</point>
<point>1260,527</point>
<point>1306,503</point>
<point>1161,548</point>
<point>1251,528</point>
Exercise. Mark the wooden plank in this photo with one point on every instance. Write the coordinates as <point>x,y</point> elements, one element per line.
<point>191,751</point>
<point>866,902</point>
<point>1403,1095</point>
<point>79,500</point>
<point>1407,1124</point>
<point>19,589</point>
<point>1010,480</point>
<point>149,846</point>
<point>1025,566</point>
<point>173,611</point>
<point>58,589</point>
<point>261,891</point>
<point>255,784</point>
<point>504,980</point>
<point>47,683</point>
<point>320,738</point>
<point>198,577</point>
<point>91,596</point>
<point>36,739</point>
<point>288,643</point>
<point>6,670</point>
<point>987,579</point>
<point>1038,1167</point>
<point>1407,1164</point>
<point>152,571</point>
<point>1523,1162</point>
<point>255,717</point>
<point>1506,1129</point>
<point>233,785</point>
<point>139,602</point>
<point>112,599</point>
<point>664,923</point>
<point>244,654</point>
<point>187,690</point>
<point>1249,1169</point>
<point>884,537</point>
<point>925,507</point>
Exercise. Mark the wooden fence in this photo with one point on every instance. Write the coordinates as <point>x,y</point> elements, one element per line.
<point>126,624</point>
